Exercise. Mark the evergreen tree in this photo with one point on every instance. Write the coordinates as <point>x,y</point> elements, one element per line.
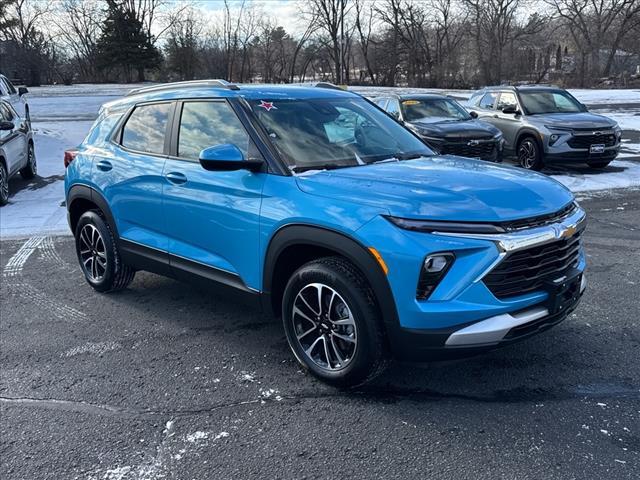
<point>124,44</point>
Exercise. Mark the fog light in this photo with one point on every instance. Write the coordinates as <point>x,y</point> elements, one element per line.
<point>433,271</point>
<point>553,138</point>
<point>435,263</point>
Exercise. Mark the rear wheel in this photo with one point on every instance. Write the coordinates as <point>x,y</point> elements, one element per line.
<point>333,324</point>
<point>31,168</point>
<point>98,254</point>
<point>529,154</point>
<point>598,165</point>
<point>4,184</point>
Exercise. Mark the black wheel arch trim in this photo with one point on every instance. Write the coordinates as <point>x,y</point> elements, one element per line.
<point>529,132</point>
<point>312,235</point>
<point>84,192</point>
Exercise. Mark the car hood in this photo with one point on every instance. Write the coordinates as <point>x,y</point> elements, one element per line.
<point>581,121</point>
<point>442,188</point>
<point>454,130</point>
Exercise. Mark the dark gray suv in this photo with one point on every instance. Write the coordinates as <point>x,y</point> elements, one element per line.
<point>547,124</point>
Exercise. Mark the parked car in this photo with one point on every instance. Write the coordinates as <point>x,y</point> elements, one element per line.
<point>327,212</point>
<point>547,124</point>
<point>15,96</point>
<point>17,153</point>
<point>445,125</point>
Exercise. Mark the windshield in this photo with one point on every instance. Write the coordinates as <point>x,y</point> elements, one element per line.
<point>334,133</point>
<point>433,110</point>
<point>549,102</point>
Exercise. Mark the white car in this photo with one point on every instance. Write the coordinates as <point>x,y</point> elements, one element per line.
<point>15,96</point>
<point>17,153</point>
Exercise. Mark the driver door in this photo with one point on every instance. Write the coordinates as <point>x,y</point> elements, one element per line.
<point>212,217</point>
<point>508,123</point>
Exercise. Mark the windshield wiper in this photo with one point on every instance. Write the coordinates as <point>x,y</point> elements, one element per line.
<point>322,166</point>
<point>399,156</point>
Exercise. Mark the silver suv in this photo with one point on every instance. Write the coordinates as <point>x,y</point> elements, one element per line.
<point>547,124</point>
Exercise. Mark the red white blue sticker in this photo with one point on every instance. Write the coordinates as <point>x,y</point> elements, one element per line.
<point>267,105</point>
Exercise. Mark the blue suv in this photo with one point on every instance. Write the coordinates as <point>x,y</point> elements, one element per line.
<point>323,209</point>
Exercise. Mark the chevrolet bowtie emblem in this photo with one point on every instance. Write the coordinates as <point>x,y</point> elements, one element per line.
<point>472,143</point>
<point>568,232</point>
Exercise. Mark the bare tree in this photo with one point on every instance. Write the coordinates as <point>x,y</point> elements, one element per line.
<point>77,28</point>
<point>597,25</point>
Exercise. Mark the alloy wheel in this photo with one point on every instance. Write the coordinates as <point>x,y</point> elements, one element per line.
<point>527,154</point>
<point>93,254</point>
<point>324,327</point>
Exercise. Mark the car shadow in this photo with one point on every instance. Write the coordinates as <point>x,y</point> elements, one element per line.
<point>568,361</point>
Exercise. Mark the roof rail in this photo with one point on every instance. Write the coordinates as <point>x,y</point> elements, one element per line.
<point>329,85</point>
<point>191,83</point>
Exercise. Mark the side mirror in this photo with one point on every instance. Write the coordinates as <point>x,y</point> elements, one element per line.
<point>227,158</point>
<point>4,125</point>
<point>511,109</point>
<point>22,90</point>
<point>473,114</point>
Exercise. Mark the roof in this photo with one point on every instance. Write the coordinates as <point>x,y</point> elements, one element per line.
<point>222,89</point>
<point>414,96</point>
<point>522,87</point>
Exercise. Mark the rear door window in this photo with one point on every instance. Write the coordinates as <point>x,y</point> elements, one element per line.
<point>146,128</point>
<point>488,100</point>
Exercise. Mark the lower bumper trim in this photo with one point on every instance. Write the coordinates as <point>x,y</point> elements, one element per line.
<point>494,329</point>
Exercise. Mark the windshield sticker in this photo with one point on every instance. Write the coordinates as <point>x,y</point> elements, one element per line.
<point>411,102</point>
<point>267,105</point>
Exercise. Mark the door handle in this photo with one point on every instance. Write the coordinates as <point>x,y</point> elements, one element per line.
<point>104,166</point>
<point>176,178</point>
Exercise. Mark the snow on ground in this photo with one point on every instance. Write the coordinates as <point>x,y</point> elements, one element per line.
<point>37,206</point>
<point>62,116</point>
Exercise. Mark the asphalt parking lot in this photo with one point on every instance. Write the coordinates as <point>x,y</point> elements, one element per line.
<point>166,381</point>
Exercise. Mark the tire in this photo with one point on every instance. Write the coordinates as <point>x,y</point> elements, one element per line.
<point>31,168</point>
<point>529,154</point>
<point>4,184</point>
<point>599,165</point>
<point>342,343</point>
<point>98,254</point>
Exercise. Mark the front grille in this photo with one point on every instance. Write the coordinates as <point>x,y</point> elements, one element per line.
<point>527,270</point>
<point>541,220</point>
<point>585,141</point>
<point>481,150</point>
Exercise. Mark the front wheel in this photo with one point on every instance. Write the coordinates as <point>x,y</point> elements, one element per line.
<point>99,256</point>
<point>31,168</point>
<point>529,154</point>
<point>333,324</point>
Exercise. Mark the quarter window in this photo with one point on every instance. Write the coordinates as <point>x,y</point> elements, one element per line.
<point>488,100</point>
<point>146,128</point>
<point>206,124</point>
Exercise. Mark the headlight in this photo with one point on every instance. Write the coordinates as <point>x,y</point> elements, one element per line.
<point>429,226</point>
<point>618,132</point>
<point>498,136</point>
<point>434,268</point>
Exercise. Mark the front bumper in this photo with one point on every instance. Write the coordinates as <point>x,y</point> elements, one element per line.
<point>463,316</point>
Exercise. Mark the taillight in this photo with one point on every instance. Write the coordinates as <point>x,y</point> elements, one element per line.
<point>69,156</point>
